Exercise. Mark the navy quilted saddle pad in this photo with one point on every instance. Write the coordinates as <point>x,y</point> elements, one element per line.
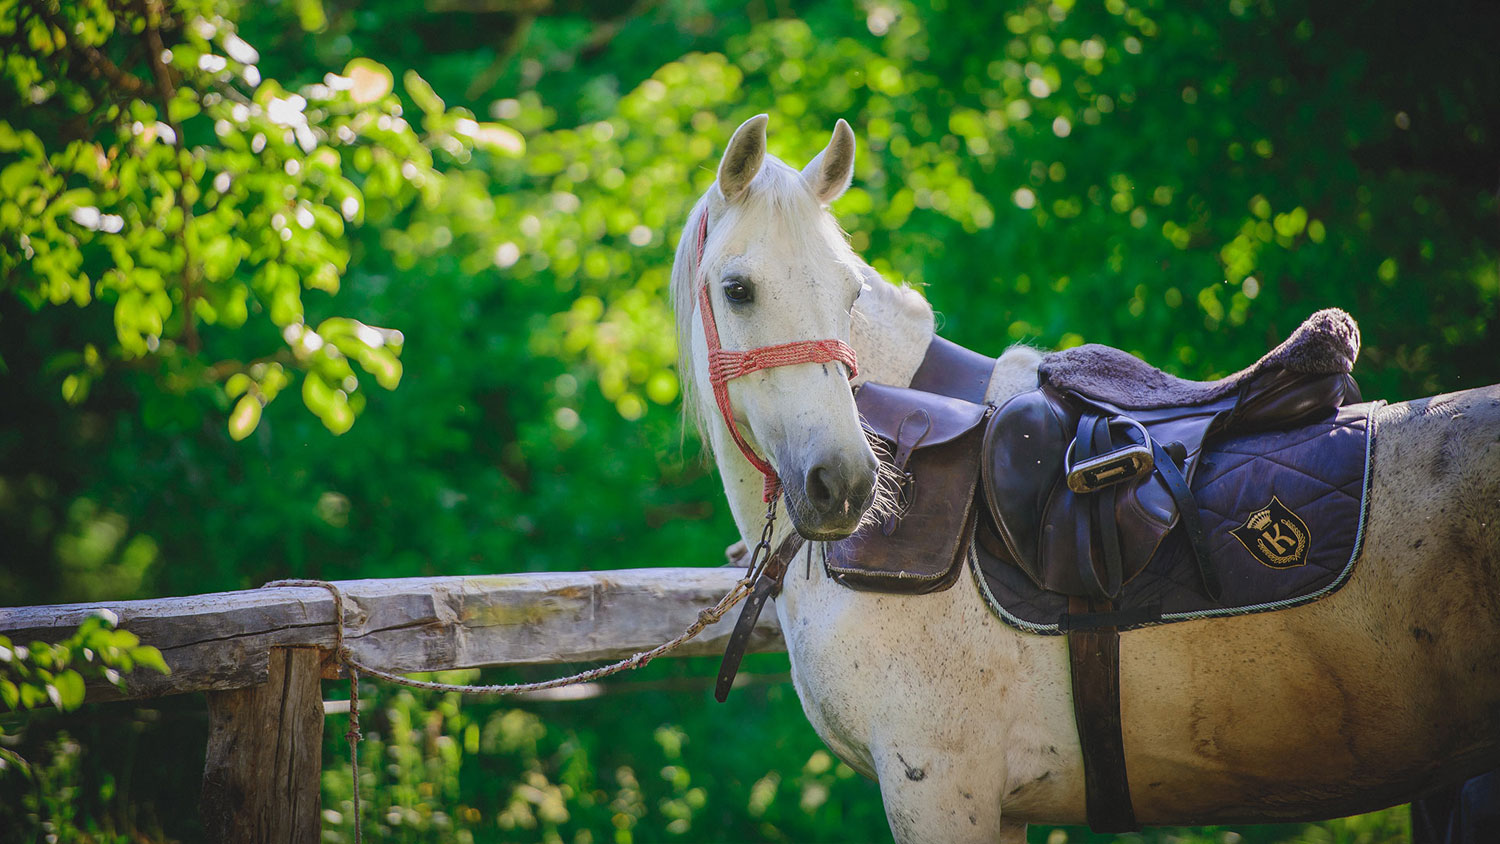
<point>1284,512</point>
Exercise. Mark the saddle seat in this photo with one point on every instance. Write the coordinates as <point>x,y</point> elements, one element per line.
<point>1327,343</point>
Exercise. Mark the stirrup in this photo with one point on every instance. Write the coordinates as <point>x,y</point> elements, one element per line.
<point>1125,463</point>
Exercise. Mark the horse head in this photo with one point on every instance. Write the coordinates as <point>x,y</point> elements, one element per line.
<point>766,259</point>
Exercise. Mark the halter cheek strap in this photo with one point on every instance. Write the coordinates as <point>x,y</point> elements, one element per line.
<point>725,365</point>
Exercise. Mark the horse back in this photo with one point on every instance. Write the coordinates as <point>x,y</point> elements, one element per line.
<point>1383,689</point>
<point>1435,512</point>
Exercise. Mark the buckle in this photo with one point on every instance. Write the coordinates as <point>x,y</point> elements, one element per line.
<point>1125,463</point>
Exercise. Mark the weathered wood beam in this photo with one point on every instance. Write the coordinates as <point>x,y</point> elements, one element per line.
<point>223,641</point>
<point>265,756</point>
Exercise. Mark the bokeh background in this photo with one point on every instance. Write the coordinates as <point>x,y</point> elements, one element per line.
<point>323,288</point>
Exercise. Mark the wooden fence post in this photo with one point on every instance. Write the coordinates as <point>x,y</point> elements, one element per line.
<point>265,756</point>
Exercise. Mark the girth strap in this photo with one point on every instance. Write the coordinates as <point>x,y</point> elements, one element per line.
<point>1094,654</point>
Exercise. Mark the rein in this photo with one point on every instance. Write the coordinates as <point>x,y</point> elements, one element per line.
<point>724,366</point>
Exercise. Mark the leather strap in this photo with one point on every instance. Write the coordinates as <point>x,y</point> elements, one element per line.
<point>949,369</point>
<point>1094,439</point>
<point>920,424</point>
<point>1187,510</point>
<point>1108,527</point>
<point>1133,617</point>
<point>767,585</point>
<point>1094,654</point>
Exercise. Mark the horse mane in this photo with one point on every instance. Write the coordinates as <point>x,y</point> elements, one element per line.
<point>684,292</point>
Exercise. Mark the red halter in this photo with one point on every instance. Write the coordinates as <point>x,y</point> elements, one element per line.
<point>723,366</point>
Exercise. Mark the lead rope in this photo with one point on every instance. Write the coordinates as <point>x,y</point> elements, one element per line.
<point>353,734</point>
<point>354,667</point>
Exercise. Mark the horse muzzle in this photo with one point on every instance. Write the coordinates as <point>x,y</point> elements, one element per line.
<point>827,500</point>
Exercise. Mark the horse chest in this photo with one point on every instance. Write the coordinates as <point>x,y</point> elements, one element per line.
<point>836,662</point>
<point>928,682</point>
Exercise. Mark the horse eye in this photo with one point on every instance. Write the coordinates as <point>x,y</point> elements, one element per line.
<point>737,290</point>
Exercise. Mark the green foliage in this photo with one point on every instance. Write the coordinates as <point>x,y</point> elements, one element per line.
<point>502,192</point>
<point>191,198</point>
<point>42,674</point>
<point>646,767</point>
<point>56,675</point>
<point>1388,826</point>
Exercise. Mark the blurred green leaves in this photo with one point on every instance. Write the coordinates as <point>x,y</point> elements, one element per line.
<point>199,197</point>
<point>42,674</point>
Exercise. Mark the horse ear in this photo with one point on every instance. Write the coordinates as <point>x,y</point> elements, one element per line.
<point>829,173</point>
<point>747,151</point>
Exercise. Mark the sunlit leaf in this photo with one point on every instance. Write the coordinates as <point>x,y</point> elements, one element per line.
<point>311,15</point>
<point>245,417</point>
<point>370,80</point>
<point>69,688</point>
<point>422,93</point>
<point>237,384</point>
<point>148,657</point>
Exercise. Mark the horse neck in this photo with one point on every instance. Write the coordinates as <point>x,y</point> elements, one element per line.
<point>893,326</point>
<point>890,331</point>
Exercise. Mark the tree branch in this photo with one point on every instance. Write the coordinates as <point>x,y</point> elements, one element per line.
<point>165,92</point>
<point>225,368</point>
<point>98,62</point>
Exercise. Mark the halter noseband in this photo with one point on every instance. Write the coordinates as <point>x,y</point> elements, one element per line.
<point>724,365</point>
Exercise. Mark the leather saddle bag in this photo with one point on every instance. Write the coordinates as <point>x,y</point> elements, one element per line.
<point>929,445</point>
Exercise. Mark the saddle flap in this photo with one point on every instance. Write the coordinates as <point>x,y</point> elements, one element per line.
<point>1056,534</point>
<point>1025,447</point>
<point>932,442</point>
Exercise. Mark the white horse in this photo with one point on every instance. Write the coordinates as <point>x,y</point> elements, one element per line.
<point>1351,703</point>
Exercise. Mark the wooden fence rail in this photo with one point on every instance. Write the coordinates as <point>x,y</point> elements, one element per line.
<point>261,653</point>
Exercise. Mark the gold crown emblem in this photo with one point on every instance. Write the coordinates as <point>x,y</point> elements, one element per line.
<point>1260,520</point>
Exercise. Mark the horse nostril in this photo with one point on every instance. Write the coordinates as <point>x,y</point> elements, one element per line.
<point>838,488</point>
<point>820,487</point>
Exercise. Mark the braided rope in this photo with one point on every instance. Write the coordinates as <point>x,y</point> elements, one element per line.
<point>724,365</point>
<point>705,618</point>
<point>353,735</point>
